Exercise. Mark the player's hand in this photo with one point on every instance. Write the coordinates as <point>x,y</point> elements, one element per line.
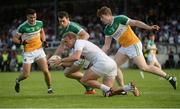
<point>23,42</point>
<point>45,44</point>
<point>58,62</point>
<point>55,62</point>
<point>155,27</point>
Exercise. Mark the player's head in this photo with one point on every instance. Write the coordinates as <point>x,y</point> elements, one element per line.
<point>152,36</point>
<point>63,18</point>
<point>105,14</point>
<point>69,39</point>
<point>31,16</point>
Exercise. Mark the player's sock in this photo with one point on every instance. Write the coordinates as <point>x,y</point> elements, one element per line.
<point>104,88</point>
<point>127,88</point>
<point>50,91</point>
<point>88,88</point>
<point>173,82</point>
<point>17,86</point>
<point>167,77</point>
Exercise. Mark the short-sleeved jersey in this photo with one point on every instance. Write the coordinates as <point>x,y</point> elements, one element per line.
<point>31,33</point>
<point>90,51</point>
<point>72,27</point>
<point>151,46</point>
<point>121,31</point>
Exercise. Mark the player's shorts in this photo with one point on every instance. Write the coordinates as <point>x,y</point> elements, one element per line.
<point>30,57</point>
<point>132,51</point>
<point>105,68</point>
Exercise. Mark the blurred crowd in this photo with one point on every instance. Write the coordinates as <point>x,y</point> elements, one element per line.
<point>164,14</point>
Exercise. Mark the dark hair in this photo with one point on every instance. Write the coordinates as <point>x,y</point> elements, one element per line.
<point>104,11</point>
<point>62,14</point>
<point>30,11</point>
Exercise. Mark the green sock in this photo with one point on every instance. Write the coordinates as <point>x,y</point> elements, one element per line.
<point>86,87</point>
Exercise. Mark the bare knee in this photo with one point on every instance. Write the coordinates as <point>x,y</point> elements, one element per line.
<point>83,80</point>
<point>46,72</point>
<point>144,67</point>
<point>68,75</point>
<point>25,76</point>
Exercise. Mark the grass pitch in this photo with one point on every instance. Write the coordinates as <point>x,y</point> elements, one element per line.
<point>155,92</point>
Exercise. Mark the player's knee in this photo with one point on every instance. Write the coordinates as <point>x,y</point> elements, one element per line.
<point>144,68</point>
<point>83,80</point>
<point>25,76</point>
<point>67,75</point>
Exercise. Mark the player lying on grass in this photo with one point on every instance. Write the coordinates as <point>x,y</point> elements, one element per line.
<point>101,65</point>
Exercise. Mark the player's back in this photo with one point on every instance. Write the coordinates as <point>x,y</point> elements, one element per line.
<point>90,51</point>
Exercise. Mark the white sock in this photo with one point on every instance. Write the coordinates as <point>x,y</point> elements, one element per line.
<point>104,88</point>
<point>127,88</point>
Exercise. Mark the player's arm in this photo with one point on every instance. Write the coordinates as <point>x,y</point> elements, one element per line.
<point>68,61</point>
<point>84,35</point>
<point>43,38</point>
<point>60,49</point>
<point>74,57</point>
<point>141,24</point>
<point>17,38</point>
<point>107,44</point>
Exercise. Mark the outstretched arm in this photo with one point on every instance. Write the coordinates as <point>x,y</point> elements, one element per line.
<point>141,24</point>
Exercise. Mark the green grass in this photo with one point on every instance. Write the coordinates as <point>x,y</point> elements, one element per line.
<point>155,93</point>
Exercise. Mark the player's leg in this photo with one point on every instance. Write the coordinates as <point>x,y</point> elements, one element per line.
<point>141,63</point>
<point>73,72</point>
<point>42,63</point>
<point>120,59</point>
<point>24,74</point>
<point>90,78</point>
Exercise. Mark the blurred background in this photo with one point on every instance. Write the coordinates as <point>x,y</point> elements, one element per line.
<point>165,13</point>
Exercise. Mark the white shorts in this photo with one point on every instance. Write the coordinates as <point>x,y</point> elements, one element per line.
<point>107,68</point>
<point>30,57</point>
<point>132,51</point>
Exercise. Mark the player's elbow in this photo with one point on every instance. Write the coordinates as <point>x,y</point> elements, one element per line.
<point>133,22</point>
<point>76,58</point>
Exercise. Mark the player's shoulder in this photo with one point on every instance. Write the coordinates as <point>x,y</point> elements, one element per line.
<point>39,22</point>
<point>22,25</point>
<point>74,24</point>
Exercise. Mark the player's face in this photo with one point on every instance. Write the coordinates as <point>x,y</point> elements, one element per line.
<point>63,21</point>
<point>68,42</point>
<point>105,19</point>
<point>152,37</point>
<point>31,18</point>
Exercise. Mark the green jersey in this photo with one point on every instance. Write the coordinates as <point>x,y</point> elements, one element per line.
<point>121,31</point>
<point>32,35</point>
<point>72,27</point>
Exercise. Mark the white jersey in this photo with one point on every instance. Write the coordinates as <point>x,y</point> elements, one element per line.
<point>103,65</point>
<point>89,50</point>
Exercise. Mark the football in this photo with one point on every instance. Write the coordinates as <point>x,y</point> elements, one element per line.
<point>52,59</point>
